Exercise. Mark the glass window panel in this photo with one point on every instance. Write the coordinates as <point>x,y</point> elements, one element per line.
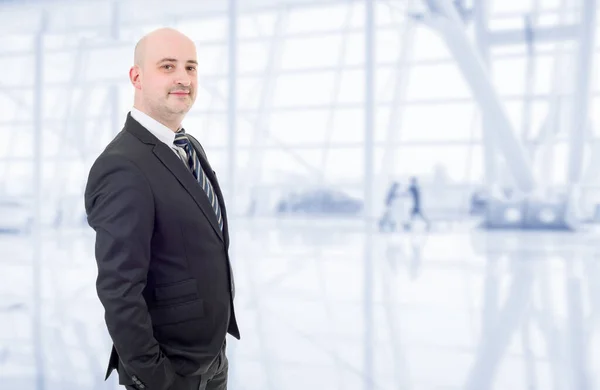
<point>52,142</point>
<point>212,59</point>
<point>390,12</point>
<point>351,87</point>
<point>210,129</point>
<point>382,118</point>
<point>12,70</point>
<point>15,104</point>
<point>435,122</point>
<point>437,81</point>
<point>506,23</point>
<point>105,63</point>
<point>358,14</point>
<point>549,20</point>
<point>509,6</point>
<point>217,159</point>
<point>95,101</point>
<point>344,164</point>
<point>307,89</point>
<point>508,50</point>
<point>597,33</point>
<point>318,51</point>
<point>125,100</point>
<point>595,78</point>
<point>253,56</point>
<point>316,127</point>
<point>388,46</point>
<point>461,163</point>
<point>551,4</point>
<point>54,104</point>
<point>386,80</point>
<point>211,95</point>
<point>539,117</point>
<point>17,177</point>
<point>355,48</point>
<point>8,136</point>
<point>544,74</point>
<point>348,125</point>
<point>508,76</point>
<point>428,44</point>
<point>17,42</point>
<point>245,129</point>
<point>61,67</point>
<point>556,162</point>
<point>595,115</point>
<point>93,137</point>
<point>205,29</point>
<point>65,177</point>
<point>25,139</point>
<point>321,18</point>
<point>301,127</point>
<point>253,25</point>
<point>221,167</point>
<point>249,90</point>
<point>78,16</point>
<point>77,101</point>
<point>281,166</point>
<point>514,110</point>
<point>11,18</point>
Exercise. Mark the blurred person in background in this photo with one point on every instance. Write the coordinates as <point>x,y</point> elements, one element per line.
<point>164,275</point>
<point>416,211</point>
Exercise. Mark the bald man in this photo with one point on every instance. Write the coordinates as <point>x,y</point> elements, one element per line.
<point>164,275</point>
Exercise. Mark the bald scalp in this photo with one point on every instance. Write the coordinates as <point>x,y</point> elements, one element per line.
<point>141,48</point>
<point>138,53</point>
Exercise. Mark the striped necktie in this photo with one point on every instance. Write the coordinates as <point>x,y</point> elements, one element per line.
<point>193,162</point>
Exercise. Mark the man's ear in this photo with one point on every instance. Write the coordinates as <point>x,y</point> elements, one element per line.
<point>135,76</point>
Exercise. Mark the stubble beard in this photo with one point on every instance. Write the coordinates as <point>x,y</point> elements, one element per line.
<point>167,112</point>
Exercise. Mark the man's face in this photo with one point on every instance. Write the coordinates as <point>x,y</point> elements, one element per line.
<point>166,77</point>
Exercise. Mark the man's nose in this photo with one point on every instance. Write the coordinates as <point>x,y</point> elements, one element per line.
<point>185,81</point>
<point>183,78</point>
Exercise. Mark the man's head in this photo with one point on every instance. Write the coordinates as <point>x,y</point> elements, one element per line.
<point>164,76</point>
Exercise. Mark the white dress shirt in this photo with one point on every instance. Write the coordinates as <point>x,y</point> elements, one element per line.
<point>160,131</point>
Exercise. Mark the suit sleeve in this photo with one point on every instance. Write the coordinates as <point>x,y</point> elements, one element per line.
<point>120,208</point>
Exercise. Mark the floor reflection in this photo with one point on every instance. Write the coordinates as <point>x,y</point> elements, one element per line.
<point>458,309</point>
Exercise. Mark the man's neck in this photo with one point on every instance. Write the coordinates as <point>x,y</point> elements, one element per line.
<point>174,125</point>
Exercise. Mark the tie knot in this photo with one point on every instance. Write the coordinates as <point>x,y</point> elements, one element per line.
<point>181,139</point>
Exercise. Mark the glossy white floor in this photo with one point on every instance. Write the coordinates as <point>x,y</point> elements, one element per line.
<point>452,309</point>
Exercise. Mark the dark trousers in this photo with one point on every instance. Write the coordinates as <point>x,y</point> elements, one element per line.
<point>214,379</point>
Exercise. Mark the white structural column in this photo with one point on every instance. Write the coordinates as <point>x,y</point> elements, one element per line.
<point>369,152</point>
<point>401,75</point>
<point>232,42</point>
<point>38,122</point>
<point>368,181</point>
<point>335,93</point>
<point>233,207</point>
<point>444,18</point>
<point>254,170</point>
<point>583,85</point>
<point>490,156</point>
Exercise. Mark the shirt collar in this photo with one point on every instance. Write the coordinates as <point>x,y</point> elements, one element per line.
<point>160,131</point>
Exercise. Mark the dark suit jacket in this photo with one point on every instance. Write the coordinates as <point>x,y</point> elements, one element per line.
<point>164,275</point>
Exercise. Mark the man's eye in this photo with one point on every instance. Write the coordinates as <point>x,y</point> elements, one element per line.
<point>191,68</point>
<point>167,66</point>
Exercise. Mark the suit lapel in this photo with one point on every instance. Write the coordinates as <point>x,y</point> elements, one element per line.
<point>170,160</point>
<point>210,173</point>
<point>188,181</point>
